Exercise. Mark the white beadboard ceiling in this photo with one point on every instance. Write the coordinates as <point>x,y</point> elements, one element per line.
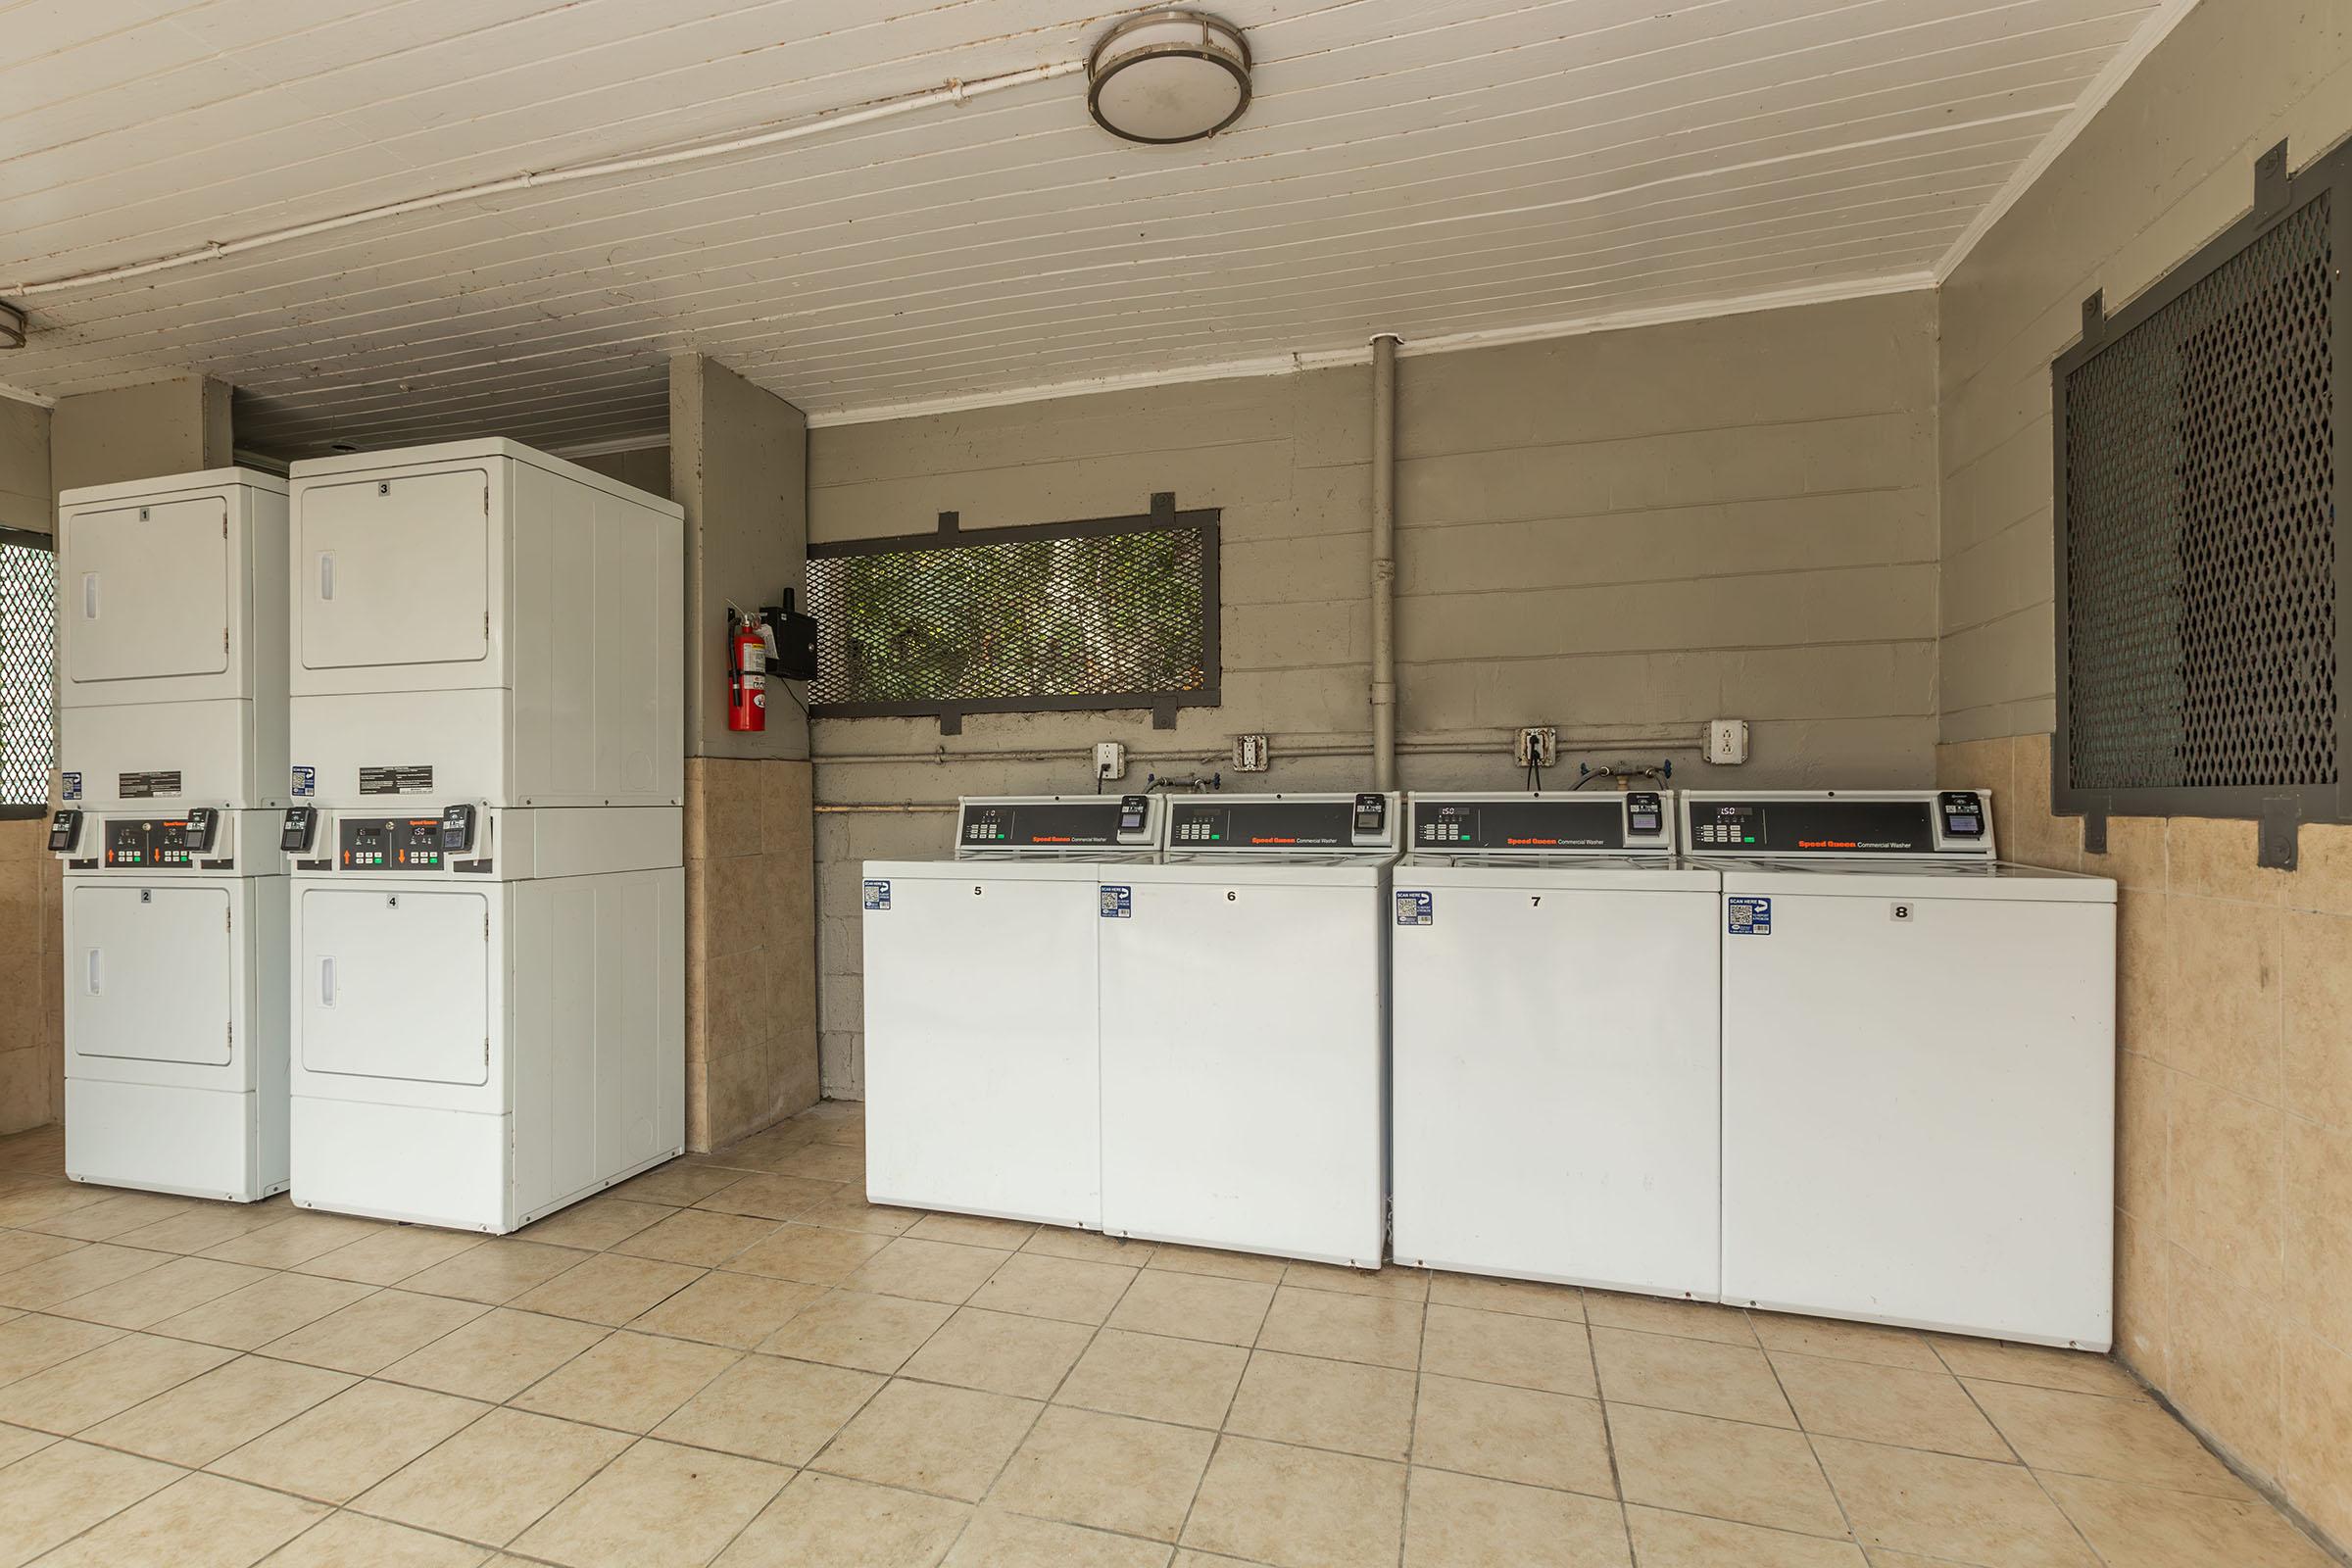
<point>1429,167</point>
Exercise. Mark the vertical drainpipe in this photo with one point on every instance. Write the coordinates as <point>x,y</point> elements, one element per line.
<point>1384,562</point>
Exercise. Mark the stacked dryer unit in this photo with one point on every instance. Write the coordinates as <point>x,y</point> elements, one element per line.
<point>487,742</point>
<point>172,671</point>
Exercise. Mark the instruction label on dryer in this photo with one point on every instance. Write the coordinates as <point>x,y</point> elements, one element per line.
<point>1747,917</point>
<point>410,778</point>
<point>1118,903</point>
<point>1416,909</point>
<point>877,895</point>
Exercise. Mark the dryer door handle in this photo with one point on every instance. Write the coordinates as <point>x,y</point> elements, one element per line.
<point>327,982</point>
<point>96,977</point>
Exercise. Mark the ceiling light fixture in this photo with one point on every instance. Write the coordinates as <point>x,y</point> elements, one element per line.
<point>12,328</point>
<point>1168,77</point>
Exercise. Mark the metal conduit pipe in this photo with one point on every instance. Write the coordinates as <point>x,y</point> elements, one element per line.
<point>1432,746</point>
<point>1384,561</point>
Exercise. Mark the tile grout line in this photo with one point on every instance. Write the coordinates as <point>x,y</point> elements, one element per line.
<point>1813,1449</point>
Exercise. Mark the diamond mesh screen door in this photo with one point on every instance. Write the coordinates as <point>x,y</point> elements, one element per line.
<point>28,651</point>
<point>1107,612</point>
<point>2200,565</point>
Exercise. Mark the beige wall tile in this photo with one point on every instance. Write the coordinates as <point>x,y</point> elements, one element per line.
<point>2318,1451</point>
<point>2034,836</point>
<point>2215,857</point>
<point>2143,1138</point>
<point>2317,1073</point>
<point>2144,960</point>
<point>2319,1230</point>
<point>2142,1296</point>
<point>2323,878</point>
<point>2223,993</point>
<point>2135,854</point>
<point>2226,1176</point>
<point>2226,1362</point>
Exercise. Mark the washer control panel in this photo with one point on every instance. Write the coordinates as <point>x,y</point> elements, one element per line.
<point>1227,823</point>
<point>1054,823</point>
<point>1782,824</point>
<point>1542,823</point>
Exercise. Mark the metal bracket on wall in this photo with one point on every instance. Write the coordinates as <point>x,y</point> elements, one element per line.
<point>2281,816</point>
<point>950,522</point>
<point>2094,830</point>
<point>2271,181</point>
<point>951,721</point>
<point>1163,715</point>
<point>2095,315</point>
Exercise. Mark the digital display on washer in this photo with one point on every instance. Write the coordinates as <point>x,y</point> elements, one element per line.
<point>388,843</point>
<point>1813,827</point>
<point>1595,824</point>
<point>1010,824</point>
<point>1261,825</point>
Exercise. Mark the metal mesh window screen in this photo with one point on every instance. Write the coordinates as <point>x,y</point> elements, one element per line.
<point>1111,613</point>
<point>2199,551</point>
<point>27,653</point>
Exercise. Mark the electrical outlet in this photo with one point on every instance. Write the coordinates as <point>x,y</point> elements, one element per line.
<point>1249,754</point>
<point>1538,746</point>
<point>1727,741</point>
<point>1110,760</point>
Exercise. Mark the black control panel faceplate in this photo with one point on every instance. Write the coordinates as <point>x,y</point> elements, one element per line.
<point>165,843</point>
<point>1045,824</point>
<point>1602,822</point>
<point>1266,824</point>
<point>1812,827</point>
<point>388,844</point>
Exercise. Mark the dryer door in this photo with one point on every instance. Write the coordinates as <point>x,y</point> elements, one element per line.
<point>145,592</point>
<point>148,974</point>
<point>395,985</point>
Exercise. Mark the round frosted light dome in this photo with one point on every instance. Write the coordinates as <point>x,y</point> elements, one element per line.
<point>1168,77</point>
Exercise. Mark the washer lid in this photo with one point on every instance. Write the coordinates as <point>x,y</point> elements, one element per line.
<point>1604,872</point>
<point>1913,879</point>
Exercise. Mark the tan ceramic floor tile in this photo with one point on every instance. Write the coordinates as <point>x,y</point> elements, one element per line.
<point>608,1289</point>
<point>495,1272</point>
<point>1504,1348</point>
<point>771,1408</point>
<point>697,1237</point>
<point>1846,1342</point>
<point>34,1342</point>
<point>23,1249</point>
<point>27,1206</point>
<point>1698,1376</point>
<point>18,1442</point>
<point>1527,1297</point>
<point>1687,1541</point>
<point>824,1522</point>
<point>975,1230</point>
<point>1400,1283</point>
<point>1188,1382</point>
<point>1089,1246</point>
<point>208,1415</point>
<point>596,1223</point>
<point>732,1309</point>
<point>850,1211</point>
<point>2116,1440</point>
<point>952,1442</point>
<point>928,1272</point>
<point>65,1488</point>
<point>1193,1306</point>
<point>809,1253</point>
<point>1110,1472</point>
<point>1297,1507</point>
<point>1511,1434</point>
<point>628,1380</point>
<point>270,1308</point>
<point>1348,1328</point>
<point>148,1298</point>
<point>1655,1314</point>
<point>998,1540</point>
<point>110,1217</point>
<point>1224,1265</point>
<point>496,1478</point>
<point>196,1522</point>
<point>655,1506</point>
<point>389,1256</point>
<point>1994,1515</point>
<point>355,1541</point>
<point>848,1328</point>
<point>679,1184</point>
<point>765,1195</point>
<point>336,1450</point>
<point>2146,1528</point>
<point>1723,1469</point>
<point>497,1356</point>
<point>1326,1405</point>
<point>1894,1405</point>
<point>104,1381</point>
<point>825,1162</point>
<point>1459,1521</point>
<point>296,1239</point>
<point>1000,1352</point>
<point>39,1287</point>
<point>2037,1365</point>
<point>1064,1288</point>
<point>374,1332</point>
<point>205,1226</point>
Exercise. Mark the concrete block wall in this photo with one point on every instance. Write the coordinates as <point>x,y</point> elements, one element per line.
<point>1623,534</point>
<point>2234,1178</point>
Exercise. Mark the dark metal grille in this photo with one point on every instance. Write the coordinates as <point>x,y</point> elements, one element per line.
<point>2199,551</point>
<point>1108,613</point>
<point>28,655</point>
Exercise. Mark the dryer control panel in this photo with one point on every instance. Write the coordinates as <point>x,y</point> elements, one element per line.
<point>1558,822</point>
<point>1786,824</point>
<point>1363,823</point>
<point>375,844</point>
<point>1014,824</point>
<point>197,839</point>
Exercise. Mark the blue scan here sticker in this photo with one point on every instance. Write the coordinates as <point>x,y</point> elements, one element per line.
<point>1118,903</point>
<point>1747,917</point>
<point>72,786</point>
<point>1415,908</point>
<point>877,895</point>
<point>306,781</point>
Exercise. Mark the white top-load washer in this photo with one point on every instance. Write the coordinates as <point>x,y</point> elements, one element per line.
<point>1555,1039</point>
<point>172,722</point>
<point>1244,1028</point>
<point>1918,1066</point>
<point>981,1007</point>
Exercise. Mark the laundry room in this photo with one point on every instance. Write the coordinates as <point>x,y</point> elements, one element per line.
<point>1306,783</point>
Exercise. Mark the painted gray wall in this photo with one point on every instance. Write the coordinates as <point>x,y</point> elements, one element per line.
<point>139,432</point>
<point>1623,534</point>
<point>27,500</point>
<point>645,468</point>
<point>739,464</point>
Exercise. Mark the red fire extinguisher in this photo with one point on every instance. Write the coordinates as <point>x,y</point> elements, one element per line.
<point>747,676</point>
